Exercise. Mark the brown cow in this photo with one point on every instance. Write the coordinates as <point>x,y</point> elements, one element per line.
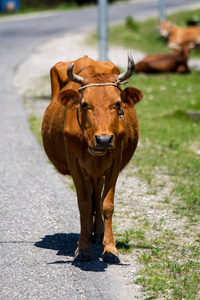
<point>160,63</point>
<point>90,131</point>
<point>177,36</point>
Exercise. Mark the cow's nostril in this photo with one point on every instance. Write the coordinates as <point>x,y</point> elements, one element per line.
<point>111,140</point>
<point>97,139</point>
<point>104,140</point>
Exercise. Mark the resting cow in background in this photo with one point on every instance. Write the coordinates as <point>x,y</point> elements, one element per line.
<point>90,131</point>
<point>165,63</point>
<point>178,36</point>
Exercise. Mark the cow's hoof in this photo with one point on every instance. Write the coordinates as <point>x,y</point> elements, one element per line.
<point>111,258</point>
<point>81,256</point>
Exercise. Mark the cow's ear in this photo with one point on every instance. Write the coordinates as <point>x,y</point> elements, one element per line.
<point>130,96</point>
<point>68,98</point>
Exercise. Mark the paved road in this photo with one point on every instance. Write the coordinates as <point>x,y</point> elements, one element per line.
<point>39,216</point>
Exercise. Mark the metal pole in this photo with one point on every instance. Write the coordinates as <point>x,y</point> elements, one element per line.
<point>103,29</point>
<point>162,10</point>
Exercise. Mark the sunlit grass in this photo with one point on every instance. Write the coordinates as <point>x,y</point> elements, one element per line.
<point>167,133</point>
<point>170,267</point>
<point>35,126</point>
<point>145,36</point>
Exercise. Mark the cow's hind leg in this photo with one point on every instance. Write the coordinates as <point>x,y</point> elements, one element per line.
<point>97,213</point>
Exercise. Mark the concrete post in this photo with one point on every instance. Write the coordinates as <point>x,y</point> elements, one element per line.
<point>161,10</point>
<point>103,29</point>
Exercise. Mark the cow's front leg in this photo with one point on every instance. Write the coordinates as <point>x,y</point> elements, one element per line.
<point>110,253</point>
<point>84,190</point>
<point>83,252</point>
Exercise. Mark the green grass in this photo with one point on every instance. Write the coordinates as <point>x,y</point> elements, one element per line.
<point>144,36</point>
<point>167,133</point>
<point>138,39</point>
<point>123,242</point>
<point>170,268</point>
<point>35,126</point>
<point>182,17</point>
<point>167,138</point>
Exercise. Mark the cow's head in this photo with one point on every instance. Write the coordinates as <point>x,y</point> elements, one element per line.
<point>100,105</point>
<point>164,28</point>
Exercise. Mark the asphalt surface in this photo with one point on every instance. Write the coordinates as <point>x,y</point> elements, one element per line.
<point>39,219</point>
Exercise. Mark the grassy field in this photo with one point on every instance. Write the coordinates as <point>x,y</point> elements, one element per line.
<point>144,36</point>
<point>169,146</point>
<point>167,134</point>
<point>168,140</point>
<point>169,137</point>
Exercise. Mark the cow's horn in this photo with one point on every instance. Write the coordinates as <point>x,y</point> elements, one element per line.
<point>72,76</point>
<point>130,69</point>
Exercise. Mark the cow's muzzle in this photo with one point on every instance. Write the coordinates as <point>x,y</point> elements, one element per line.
<point>102,143</point>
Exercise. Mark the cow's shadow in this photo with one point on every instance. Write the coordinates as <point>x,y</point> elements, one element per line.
<point>66,245</point>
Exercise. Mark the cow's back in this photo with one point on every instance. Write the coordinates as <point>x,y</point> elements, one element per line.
<point>83,66</point>
<point>181,36</point>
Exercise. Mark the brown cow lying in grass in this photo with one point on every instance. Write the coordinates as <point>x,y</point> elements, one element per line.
<point>90,131</point>
<point>177,36</point>
<point>164,63</point>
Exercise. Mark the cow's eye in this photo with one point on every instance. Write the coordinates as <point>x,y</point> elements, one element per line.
<point>117,105</point>
<point>85,105</point>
